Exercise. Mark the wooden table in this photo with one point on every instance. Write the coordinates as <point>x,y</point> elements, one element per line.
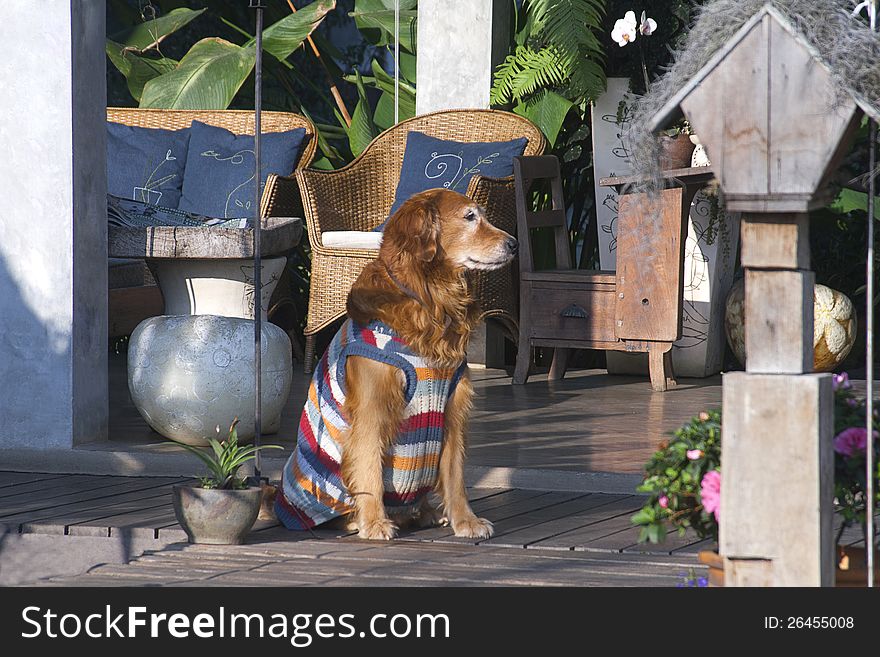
<point>189,262</point>
<point>649,281</point>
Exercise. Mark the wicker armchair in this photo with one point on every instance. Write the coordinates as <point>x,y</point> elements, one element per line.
<point>359,196</point>
<point>132,302</point>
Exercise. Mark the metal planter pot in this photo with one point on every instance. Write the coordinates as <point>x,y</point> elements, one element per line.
<point>216,517</point>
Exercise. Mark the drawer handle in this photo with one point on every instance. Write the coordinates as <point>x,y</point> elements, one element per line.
<point>574,311</point>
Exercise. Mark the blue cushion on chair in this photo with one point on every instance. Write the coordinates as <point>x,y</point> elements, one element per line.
<point>218,181</point>
<point>146,164</point>
<point>429,162</point>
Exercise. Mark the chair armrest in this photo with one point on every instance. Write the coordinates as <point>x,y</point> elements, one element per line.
<point>356,197</point>
<point>281,197</point>
<point>497,195</point>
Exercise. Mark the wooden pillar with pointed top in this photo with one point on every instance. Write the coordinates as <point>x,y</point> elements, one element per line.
<point>775,125</point>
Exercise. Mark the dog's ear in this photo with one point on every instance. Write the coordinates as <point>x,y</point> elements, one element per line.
<point>414,229</point>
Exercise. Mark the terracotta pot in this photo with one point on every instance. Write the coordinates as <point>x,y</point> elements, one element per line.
<point>675,152</point>
<point>216,517</point>
<point>851,569</point>
<point>716,566</point>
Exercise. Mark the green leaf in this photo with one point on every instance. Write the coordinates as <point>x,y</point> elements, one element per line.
<point>408,67</point>
<point>282,38</point>
<point>851,199</point>
<point>547,110</point>
<point>383,117</point>
<point>144,69</point>
<point>407,94</point>
<point>150,33</point>
<point>362,130</point>
<point>377,16</point>
<point>208,77</point>
<point>117,56</point>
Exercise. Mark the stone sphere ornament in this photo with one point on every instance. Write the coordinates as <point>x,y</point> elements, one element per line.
<point>834,326</point>
<point>190,373</point>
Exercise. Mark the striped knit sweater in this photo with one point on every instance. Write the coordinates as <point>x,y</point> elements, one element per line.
<point>312,487</point>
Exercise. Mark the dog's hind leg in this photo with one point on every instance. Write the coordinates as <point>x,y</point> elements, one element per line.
<point>451,482</point>
<point>374,406</point>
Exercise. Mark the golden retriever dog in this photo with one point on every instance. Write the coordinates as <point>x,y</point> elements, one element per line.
<point>384,429</point>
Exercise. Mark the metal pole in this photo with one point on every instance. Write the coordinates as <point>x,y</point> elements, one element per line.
<point>869,319</point>
<point>396,62</point>
<point>869,365</point>
<point>258,264</point>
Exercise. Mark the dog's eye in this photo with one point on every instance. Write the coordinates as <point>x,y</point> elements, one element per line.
<point>470,215</point>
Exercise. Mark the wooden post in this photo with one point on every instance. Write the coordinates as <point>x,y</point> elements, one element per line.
<point>778,419</point>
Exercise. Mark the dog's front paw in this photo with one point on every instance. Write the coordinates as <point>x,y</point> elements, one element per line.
<point>432,517</point>
<point>473,527</point>
<point>378,529</point>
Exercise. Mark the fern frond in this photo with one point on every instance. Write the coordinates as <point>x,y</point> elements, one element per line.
<point>542,68</point>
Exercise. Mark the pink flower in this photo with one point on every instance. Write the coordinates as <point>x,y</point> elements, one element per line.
<point>663,502</point>
<point>851,442</point>
<point>694,454</point>
<point>710,493</point>
<point>840,382</point>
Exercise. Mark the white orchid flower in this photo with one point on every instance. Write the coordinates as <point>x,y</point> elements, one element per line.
<point>871,6</point>
<point>625,29</point>
<point>647,26</point>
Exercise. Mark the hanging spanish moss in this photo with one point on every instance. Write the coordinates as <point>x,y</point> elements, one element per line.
<point>845,44</point>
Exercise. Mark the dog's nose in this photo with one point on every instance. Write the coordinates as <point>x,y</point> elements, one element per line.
<point>512,245</point>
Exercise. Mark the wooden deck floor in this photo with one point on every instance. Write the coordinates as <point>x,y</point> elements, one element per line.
<point>541,538</point>
<point>588,422</point>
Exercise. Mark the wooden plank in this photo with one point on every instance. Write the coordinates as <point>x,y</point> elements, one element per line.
<point>691,175</point>
<point>649,266</point>
<point>611,505</point>
<point>8,479</point>
<point>775,241</point>
<point>729,110</point>
<point>36,495</point>
<point>777,438</point>
<point>509,501</point>
<point>278,236</point>
<point>124,507</point>
<point>595,524</point>
<point>588,279</point>
<point>501,513</point>
<point>532,527</point>
<point>506,526</point>
<point>106,496</point>
<point>778,313</point>
<point>808,118</point>
<point>627,541</point>
<point>546,218</point>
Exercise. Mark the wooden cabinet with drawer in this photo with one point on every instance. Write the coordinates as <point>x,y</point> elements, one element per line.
<point>636,308</point>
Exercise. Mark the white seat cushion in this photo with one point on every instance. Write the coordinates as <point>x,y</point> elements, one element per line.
<point>351,239</point>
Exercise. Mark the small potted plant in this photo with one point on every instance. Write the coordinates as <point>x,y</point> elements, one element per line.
<point>222,508</point>
<point>676,146</point>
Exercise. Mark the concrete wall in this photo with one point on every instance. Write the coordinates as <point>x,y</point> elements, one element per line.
<point>53,244</point>
<point>460,42</point>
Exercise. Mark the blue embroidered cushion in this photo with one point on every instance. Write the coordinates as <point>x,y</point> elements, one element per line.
<point>146,164</point>
<point>219,177</point>
<point>430,163</point>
